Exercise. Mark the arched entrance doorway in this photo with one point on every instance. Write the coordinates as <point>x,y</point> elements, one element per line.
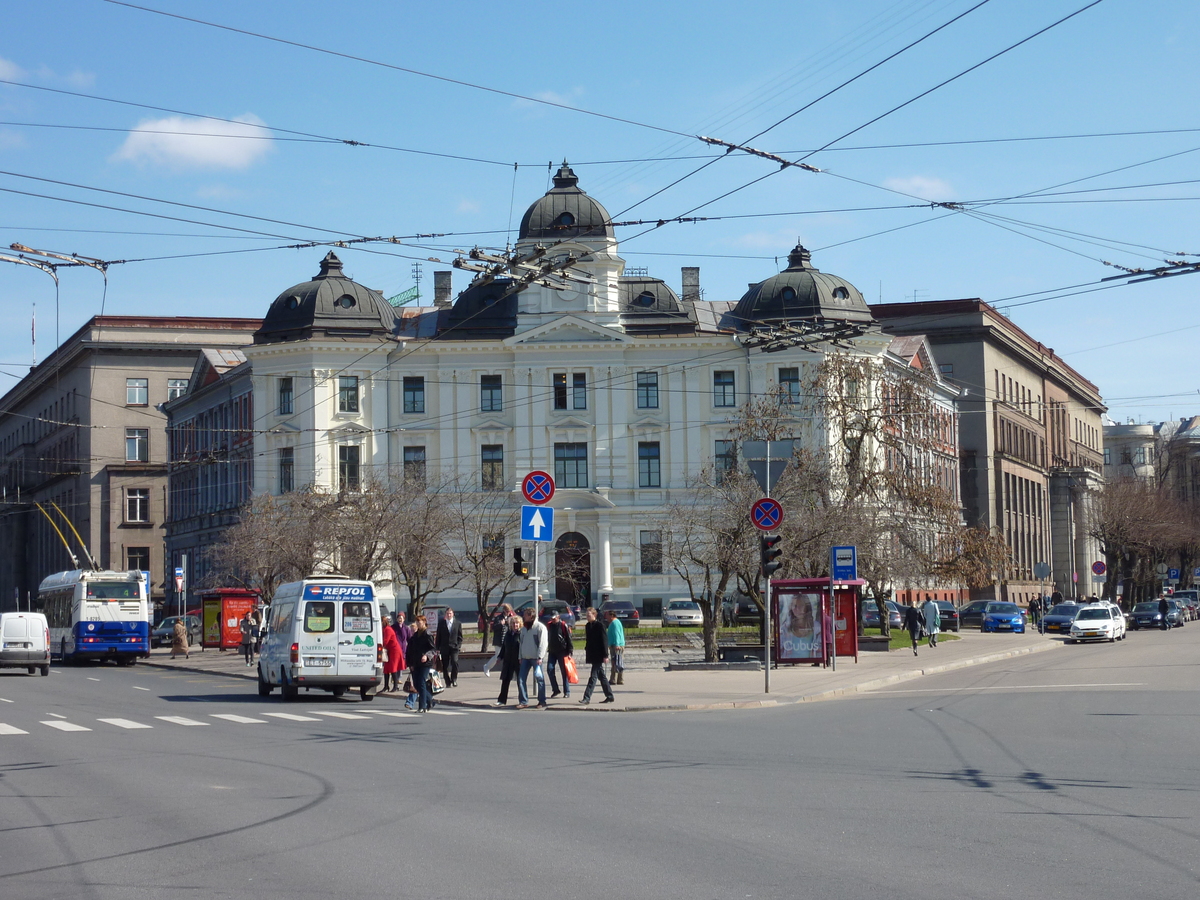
<point>573,569</point>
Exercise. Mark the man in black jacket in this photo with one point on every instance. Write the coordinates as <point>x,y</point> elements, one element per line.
<point>561,646</point>
<point>595,653</point>
<point>449,642</point>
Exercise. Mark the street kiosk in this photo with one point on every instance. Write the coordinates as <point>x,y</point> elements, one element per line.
<point>804,615</point>
<point>221,611</point>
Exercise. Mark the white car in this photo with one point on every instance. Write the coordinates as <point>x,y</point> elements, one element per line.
<point>682,612</point>
<point>1120,626</point>
<point>1094,623</point>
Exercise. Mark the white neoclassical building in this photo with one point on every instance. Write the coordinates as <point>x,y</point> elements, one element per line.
<point>615,383</point>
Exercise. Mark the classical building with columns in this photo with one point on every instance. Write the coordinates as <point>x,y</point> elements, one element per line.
<point>610,380</point>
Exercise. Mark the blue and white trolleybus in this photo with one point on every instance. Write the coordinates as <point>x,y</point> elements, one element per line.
<point>97,615</point>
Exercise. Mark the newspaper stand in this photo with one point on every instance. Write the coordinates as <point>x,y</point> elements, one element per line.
<point>803,616</point>
<point>221,612</point>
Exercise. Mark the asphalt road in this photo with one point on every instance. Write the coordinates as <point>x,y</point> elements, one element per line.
<point>1064,774</point>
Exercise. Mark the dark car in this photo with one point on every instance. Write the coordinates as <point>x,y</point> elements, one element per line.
<point>1145,615</point>
<point>972,613</point>
<point>547,610</point>
<point>624,610</point>
<point>1060,617</point>
<point>948,614</point>
<point>165,632</point>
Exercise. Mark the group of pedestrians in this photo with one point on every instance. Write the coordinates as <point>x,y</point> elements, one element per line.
<point>923,620</point>
<point>524,645</point>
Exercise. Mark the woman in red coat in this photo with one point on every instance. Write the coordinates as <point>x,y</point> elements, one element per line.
<point>395,660</point>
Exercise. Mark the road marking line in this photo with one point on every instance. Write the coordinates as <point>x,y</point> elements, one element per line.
<point>241,720</point>
<point>66,726</point>
<point>125,723</point>
<point>5,699</point>
<point>502,712</point>
<point>90,678</point>
<point>136,688</point>
<point>337,715</point>
<point>395,715</point>
<point>1008,687</point>
<point>56,715</point>
<point>445,712</point>
<point>11,729</point>
<point>180,720</point>
<point>292,717</point>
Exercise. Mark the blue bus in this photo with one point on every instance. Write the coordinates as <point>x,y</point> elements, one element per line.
<point>97,615</point>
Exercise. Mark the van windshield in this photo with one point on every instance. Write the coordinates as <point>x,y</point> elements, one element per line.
<point>318,616</point>
<point>356,617</point>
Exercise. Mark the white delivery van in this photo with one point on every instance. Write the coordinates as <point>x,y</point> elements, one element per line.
<point>324,632</point>
<point>24,642</point>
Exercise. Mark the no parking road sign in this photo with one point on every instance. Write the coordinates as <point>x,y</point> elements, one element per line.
<point>538,487</point>
<point>766,514</point>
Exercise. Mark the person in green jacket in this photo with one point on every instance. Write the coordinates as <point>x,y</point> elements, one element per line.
<point>616,648</point>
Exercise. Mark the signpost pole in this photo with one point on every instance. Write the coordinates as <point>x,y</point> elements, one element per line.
<point>537,577</point>
<point>766,595</point>
<point>183,589</point>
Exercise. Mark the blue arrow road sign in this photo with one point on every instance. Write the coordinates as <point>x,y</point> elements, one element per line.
<point>537,523</point>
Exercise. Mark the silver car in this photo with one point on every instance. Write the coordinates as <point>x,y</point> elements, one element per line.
<point>682,612</point>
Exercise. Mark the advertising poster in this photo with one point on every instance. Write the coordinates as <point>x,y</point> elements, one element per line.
<point>800,627</point>
<point>212,623</point>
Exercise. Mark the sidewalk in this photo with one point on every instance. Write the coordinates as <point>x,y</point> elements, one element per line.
<point>656,688</point>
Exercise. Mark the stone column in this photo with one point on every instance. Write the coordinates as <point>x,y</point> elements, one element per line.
<point>605,555</point>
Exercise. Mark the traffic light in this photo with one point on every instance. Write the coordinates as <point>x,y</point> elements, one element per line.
<point>770,553</point>
<point>520,566</point>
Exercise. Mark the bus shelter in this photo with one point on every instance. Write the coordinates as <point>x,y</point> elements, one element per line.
<point>809,614</point>
<point>221,611</point>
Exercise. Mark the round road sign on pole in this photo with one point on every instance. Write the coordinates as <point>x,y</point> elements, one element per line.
<point>766,514</point>
<point>1099,568</point>
<point>537,487</point>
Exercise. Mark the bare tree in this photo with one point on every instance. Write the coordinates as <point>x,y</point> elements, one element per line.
<point>419,536</point>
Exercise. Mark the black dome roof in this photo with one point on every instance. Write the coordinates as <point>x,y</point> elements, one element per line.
<point>331,305</point>
<point>802,292</point>
<point>565,212</point>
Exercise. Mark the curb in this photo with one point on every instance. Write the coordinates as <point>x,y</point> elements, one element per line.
<point>831,694</point>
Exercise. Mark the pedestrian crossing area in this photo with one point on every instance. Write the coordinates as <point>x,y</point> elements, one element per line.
<point>83,723</point>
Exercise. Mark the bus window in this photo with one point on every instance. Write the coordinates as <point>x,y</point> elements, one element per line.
<point>112,591</point>
<point>356,617</point>
<point>318,616</point>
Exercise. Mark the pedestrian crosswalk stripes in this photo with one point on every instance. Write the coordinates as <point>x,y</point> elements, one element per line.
<point>63,725</point>
<point>316,715</point>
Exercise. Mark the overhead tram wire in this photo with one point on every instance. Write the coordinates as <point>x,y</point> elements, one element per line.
<point>397,68</point>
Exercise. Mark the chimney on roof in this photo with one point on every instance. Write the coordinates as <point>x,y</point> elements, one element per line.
<point>442,288</point>
<point>691,283</point>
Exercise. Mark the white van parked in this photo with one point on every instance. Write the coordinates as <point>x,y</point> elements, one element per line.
<point>24,642</point>
<point>324,633</point>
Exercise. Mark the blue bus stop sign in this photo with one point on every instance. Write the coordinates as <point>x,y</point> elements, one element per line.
<point>843,563</point>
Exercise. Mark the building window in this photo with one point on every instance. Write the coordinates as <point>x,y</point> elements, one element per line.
<point>349,467</point>
<point>650,544</point>
<point>137,559</point>
<point>649,465</point>
<point>723,389</point>
<point>176,387</point>
<point>570,465</point>
<point>414,395</point>
<point>1108,456</point>
<point>286,396</point>
<point>287,470</point>
<point>1139,456</point>
<point>578,390</point>
<point>647,390</point>
<point>137,445</point>
<point>491,460</point>
<point>491,393</point>
<point>789,381</point>
<point>724,459</point>
<point>493,545</point>
<point>137,391</point>
<point>414,464</point>
<point>137,505</point>
<point>348,393</point>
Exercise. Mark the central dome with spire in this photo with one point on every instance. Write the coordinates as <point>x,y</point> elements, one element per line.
<point>566,212</point>
<point>802,292</point>
<point>330,305</point>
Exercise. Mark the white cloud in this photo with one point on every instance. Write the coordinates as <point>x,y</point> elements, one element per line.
<point>186,143</point>
<point>10,70</point>
<point>80,79</point>
<point>10,140</point>
<point>922,186</point>
<point>467,206</point>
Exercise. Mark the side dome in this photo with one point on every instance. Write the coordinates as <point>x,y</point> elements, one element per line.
<point>566,212</point>
<point>331,305</point>
<point>802,292</point>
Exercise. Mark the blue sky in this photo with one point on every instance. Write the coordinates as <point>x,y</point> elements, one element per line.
<point>673,70</point>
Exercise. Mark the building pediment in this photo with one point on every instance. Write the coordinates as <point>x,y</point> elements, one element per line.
<point>568,329</point>
<point>286,428</point>
<point>491,425</point>
<point>350,429</point>
<point>569,422</point>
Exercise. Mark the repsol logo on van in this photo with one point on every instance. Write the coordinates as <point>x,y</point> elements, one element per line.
<point>339,590</point>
